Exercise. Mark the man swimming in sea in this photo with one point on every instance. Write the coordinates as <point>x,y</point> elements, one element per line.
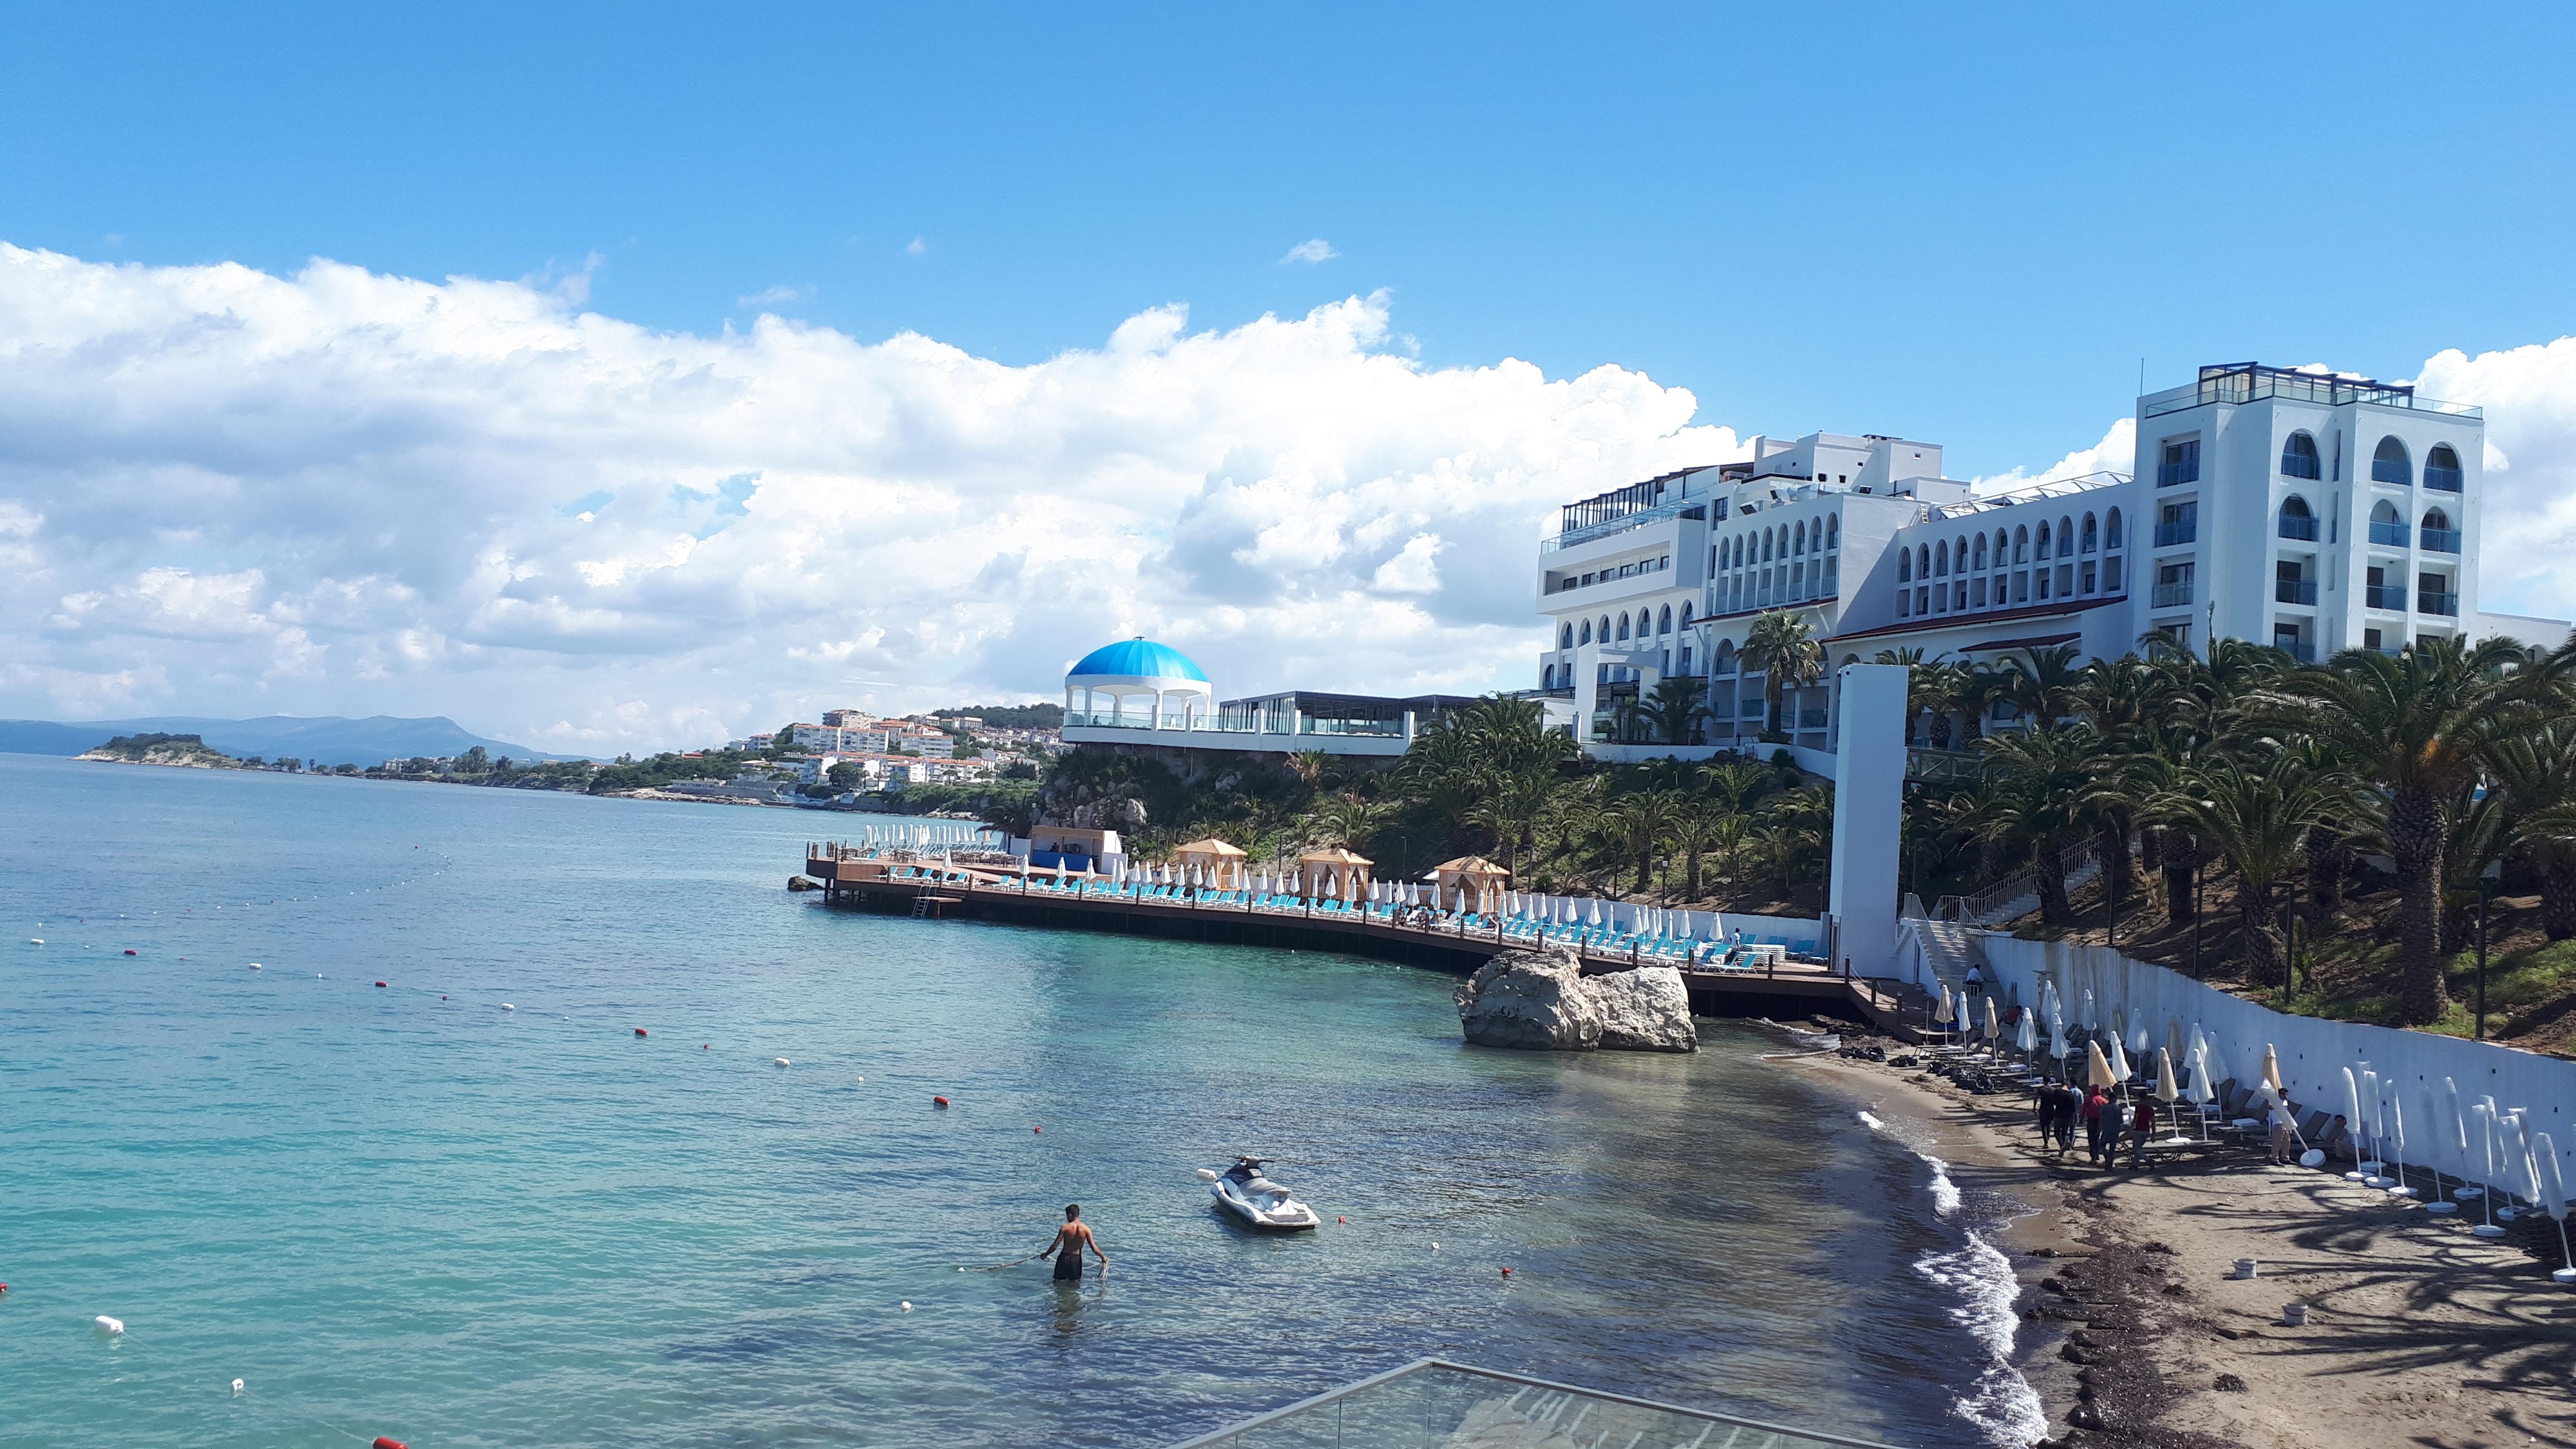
<point>1069,1242</point>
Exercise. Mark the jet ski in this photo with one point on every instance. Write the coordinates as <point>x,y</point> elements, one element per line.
<point>1244,1192</point>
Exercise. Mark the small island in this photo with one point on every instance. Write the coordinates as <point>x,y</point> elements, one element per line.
<point>187,752</point>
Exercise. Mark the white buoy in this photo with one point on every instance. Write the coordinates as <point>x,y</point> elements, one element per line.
<point>862,1079</point>
<point>109,1325</point>
<point>255,966</point>
<point>237,1388</point>
<point>505,1006</point>
<point>907,1305</point>
<point>35,940</point>
<point>1435,1247</point>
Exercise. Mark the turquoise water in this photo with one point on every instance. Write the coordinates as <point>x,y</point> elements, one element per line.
<point>408,1211</point>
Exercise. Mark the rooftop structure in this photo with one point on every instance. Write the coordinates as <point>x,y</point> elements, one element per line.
<point>1140,693</point>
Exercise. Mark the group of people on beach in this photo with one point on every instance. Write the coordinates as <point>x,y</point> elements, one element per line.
<point>2104,1118</point>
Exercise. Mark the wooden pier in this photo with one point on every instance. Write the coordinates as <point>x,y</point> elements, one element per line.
<point>1446,943</point>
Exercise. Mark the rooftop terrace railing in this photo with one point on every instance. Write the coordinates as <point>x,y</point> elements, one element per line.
<point>2251,382</point>
<point>1586,533</point>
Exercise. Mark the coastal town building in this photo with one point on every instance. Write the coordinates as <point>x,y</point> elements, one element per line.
<point>2308,510</point>
<point>1139,694</point>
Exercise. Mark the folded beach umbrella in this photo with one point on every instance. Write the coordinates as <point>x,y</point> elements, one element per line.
<point>2392,1125</point>
<point>2097,1071</point>
<point>2481,1129</point>
<point>2272,1071</point>
<point>2353,1122</point>
<point>2119,1063</point>
<point>2457,1133</point>
<point>2085,1018</point>
<point>2058,1046</point>
<point>2517,1155</point>
<point>2371,1130</point>
<point>2137,1034</point>
<point>2167,1089</point>
<point>2553,1199</point>
<point>2026,1037</point>
<point>2432,1130</point>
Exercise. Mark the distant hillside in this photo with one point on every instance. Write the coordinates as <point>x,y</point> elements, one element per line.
<point>1010,716</point>
<point>332,740</point>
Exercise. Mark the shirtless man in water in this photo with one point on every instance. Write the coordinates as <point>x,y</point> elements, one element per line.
<point>1069,1242</point>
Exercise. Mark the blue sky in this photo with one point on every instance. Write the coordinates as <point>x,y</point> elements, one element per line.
<point>618,377</point>
<point>1966,224</point>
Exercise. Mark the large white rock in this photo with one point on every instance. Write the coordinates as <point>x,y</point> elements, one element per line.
<point>1646,1009</point>
<point>1533,999</point>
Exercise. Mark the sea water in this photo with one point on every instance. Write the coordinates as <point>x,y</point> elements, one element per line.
<point>406,1210</point>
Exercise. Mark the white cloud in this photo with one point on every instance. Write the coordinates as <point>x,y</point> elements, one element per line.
<point>915,247</point>
<point>1310,252</point>
<point>2116,453</point>
<point>2528,508</point>
<point>774,296</point>
<point>228,492</point>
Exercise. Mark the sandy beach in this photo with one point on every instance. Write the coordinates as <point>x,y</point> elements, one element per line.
<point>2134,1330</point>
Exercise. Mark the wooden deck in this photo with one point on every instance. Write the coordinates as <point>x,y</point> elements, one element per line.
<point>1447,945</point>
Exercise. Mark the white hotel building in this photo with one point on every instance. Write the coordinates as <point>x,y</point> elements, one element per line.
<point>2307,510</point>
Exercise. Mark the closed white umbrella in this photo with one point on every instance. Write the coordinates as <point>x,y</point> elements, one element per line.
<point>2353,1122</point>
<point>2085,1017</point>
<point>2553,1199</point>
<point>2202,1093</point>
<point>1994,1023</point>
<point>2482,1137</point>
<point>2517,1159</point>
<point>2026,1037</point>
<point>2456,1133</point>
<point>2058,1046</point>
<point>2119,1062</point>
<point>2392,1122</point>
<point>2375,1134</point>
<point>1942,1015</point>
<point>2137,1042</point>
<point>2433,1130</point>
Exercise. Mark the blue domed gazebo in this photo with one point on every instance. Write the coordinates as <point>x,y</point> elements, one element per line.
<point>1138,668</point>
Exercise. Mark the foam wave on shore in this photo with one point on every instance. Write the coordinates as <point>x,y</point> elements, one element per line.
<point>2000,1403</point>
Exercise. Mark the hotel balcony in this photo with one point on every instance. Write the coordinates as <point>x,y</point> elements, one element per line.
<point>2388,535</point>
<point>2440,540</point>
<point>2428,601</point>
<point>2170,534</point>
<point>2293,591</point>
<point>2391,597</point>
<point>2171,595</point>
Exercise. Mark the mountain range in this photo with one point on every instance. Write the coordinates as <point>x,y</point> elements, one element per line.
<point>329,739</point>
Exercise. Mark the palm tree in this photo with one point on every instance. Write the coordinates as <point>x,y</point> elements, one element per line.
<point>1783,646</point>
<point>1344,820</point>
<point>1676,710</point>
<point>1310,766</point>
<point>2417,728</point>
<point>2040,781</point>
<point>1697,825</point>
<point>2043,682</point>
<point>1510,809</point>
<point>1638,824</point>
<point>2257,818</point>
<point>2535,775</point>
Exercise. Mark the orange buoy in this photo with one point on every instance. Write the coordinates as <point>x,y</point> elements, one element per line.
<point>1507,1272</point>
<point>380,986</point>
<point>639,1031</point>
<point>386,1441</point>
<point>939,1101</point>
<point>1341,1220</point>
<point>129,950</point>
<point>706,1046</point>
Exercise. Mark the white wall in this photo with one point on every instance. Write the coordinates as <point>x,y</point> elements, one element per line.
<point>2313,1052</point>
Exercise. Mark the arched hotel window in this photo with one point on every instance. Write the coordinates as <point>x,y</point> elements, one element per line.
<point>2021,544</point>
<point>2111,530</point>
<point>1685,616</point>
<point>1981,550</point>
<point>1566,639</point>
<point>1905,565</point>
<point>1798,540</point>
<point>1623,627</point>
<point>1941,560</point>
<point>1664,620</point>
<point>1739,551</point>
<point>1834,532</point>
<point>2438,536</point>
<point>2091,538</point>
<point>2065,537</point>
<point>1724,660</point>
<point>1766,547</point>
<point>2390,464</point>
<point>1547,677</point>
<point>1605,628</point>
<point>1587,631</point>
<point>2384,512</point>
<point>2442,469</point>
<point>2042,550</point>
<point>2296,521</point>
<point>2299,457</point>
<point>1960,551</point>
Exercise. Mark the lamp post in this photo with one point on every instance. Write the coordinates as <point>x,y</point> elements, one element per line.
<point>2195,913</point>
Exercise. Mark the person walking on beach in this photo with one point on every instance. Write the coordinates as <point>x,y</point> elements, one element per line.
<point>2142,1123</point>
<point>1069,1242</point>
<point>2285,1134</point>
<point>2095,1104</point>
<point>2070,1111</point>
<point>2051,1102</point>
